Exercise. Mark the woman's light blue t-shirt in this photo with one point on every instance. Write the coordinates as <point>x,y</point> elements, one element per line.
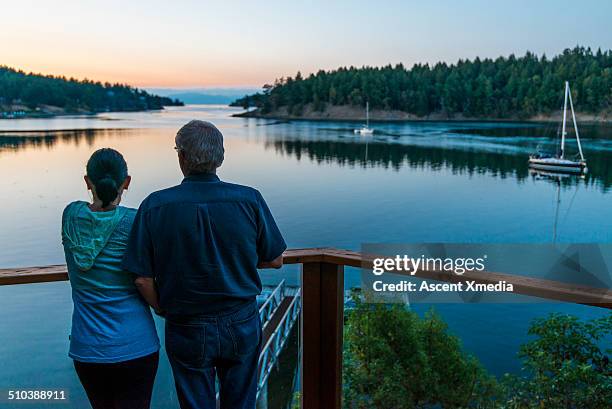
<point>110,321</point>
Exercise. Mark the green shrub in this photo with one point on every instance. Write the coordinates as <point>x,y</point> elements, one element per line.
<point>395,359</point>
<point>565,366</point>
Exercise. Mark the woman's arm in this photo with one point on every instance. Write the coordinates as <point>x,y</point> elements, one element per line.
<point>147,288</point>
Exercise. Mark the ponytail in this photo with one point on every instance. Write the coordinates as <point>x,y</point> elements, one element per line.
<point>107,170</point>
<point>107,190</point>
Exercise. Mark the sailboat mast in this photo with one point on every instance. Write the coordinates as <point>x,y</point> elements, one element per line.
<point>564,120</point>
<point>367,114</point>
<point>575,126</point>
<point>554,238</point>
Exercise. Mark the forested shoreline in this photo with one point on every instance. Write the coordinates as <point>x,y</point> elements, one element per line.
<point>29,94</point>
<point>510,87</point>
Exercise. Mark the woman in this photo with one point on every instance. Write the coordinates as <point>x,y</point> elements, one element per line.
<point>113,342</point>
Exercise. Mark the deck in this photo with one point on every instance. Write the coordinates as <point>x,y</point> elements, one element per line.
<point>322,309</point>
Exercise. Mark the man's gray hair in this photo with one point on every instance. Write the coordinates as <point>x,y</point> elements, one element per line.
<point>202,144</point>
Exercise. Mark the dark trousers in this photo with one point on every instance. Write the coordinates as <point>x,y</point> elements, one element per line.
<point>225,346</point>
<point>120,385</point>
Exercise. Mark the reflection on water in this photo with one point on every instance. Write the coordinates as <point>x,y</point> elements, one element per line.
<point>547,130</point>
<point>409,183</point>
<point>460,161</point>
<point>13,140</point>
<point>473,170</point>
<point>395,156</point>
<point>499,152</point>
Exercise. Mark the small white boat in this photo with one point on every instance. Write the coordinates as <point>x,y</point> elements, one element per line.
<point>365,129</point>
<point>553,164</point>
<point>557,162</point>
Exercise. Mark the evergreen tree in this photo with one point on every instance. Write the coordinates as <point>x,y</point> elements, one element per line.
<point>507,87</point>
<point>35,91</point>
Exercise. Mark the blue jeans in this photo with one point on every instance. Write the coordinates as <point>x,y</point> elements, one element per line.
<point>226,346</point>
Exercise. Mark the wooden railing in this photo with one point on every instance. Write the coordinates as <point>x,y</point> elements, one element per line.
<point>323,308</point>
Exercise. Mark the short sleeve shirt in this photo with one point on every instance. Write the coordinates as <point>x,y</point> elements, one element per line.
<point>202,241</point>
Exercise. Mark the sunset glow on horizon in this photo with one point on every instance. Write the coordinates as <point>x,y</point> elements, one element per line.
<point>247,44</point>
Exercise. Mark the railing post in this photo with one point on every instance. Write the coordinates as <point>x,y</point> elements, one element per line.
<point>322,325</point>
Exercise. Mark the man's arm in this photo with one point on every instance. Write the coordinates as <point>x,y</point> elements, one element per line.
<point>146,287</point>
<point>270,242</point>
<point>276,263</point>
<point>139,261</point>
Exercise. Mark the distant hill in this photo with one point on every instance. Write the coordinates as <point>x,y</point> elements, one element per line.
<point>29,94</point>
<point>199,98</point>
<point>204,95</point>
<point>503,88</point>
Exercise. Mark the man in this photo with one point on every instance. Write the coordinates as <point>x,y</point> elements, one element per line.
<point>196,248</point>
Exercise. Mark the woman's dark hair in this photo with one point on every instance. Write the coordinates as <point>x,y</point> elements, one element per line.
<point>107,170</point>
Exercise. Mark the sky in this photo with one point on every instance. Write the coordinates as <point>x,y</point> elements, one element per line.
<point>231,43</point>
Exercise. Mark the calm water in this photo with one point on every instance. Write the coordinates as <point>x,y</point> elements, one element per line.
<point>410,182</point>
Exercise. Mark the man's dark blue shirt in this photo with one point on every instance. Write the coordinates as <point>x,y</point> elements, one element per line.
<point>202,241</point>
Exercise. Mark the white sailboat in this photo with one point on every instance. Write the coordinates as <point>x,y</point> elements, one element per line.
<point>365,129</point>
<point>557,162</point>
